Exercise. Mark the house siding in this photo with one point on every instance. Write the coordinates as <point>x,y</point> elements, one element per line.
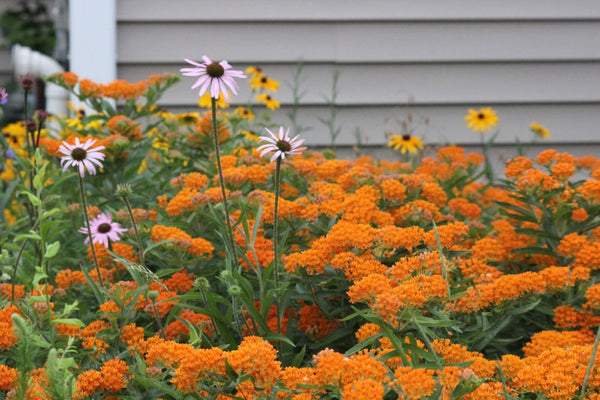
<point>531,61</point>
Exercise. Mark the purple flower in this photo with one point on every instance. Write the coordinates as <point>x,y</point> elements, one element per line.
<point>103,230</point>
<point>3,96</point>
<point>281,144</point>
<point>81,155</point>
<point>216,76</point>
<point>10,154</point>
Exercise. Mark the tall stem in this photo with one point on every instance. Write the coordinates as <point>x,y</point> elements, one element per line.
<point>89,229</point>
<point>276,240</point>
<point>137,233</point>
<point>220,169</point>
<point>591,364</point>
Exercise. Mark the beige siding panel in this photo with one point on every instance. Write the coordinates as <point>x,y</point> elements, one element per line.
<point>364,42</point>
<point>414,83</point>
<point>567,123</point>
<point>335,10</point>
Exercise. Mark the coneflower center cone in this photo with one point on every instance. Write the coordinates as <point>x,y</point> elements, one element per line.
<point>78,154</point>
<point>406,138</point>
<point>215,70</point>
<point>283,145</point>
<point>104,228</point>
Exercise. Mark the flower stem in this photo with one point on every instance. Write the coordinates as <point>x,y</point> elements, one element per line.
<point>220,169</point>
<point>89,229</point>
<point>591,364</point>
<point>276,240</point>
<point>135,229</point>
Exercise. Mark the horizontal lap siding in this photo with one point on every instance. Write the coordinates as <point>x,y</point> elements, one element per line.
<point>537,61</point>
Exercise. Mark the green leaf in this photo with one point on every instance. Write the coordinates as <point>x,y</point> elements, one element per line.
<point>533,250</point>
<point>24,236</point>
<point>37,183</point>
<point>52,249</point>
<point>69,321</point>
<point>36,201</point>
<point>279,337</point>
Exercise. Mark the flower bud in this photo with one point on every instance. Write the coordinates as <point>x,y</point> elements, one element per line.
<point>27,82</point>
<point>234,290</point>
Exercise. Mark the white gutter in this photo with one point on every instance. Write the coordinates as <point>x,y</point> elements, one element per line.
<point>93,40</point>
<point>26,61</point>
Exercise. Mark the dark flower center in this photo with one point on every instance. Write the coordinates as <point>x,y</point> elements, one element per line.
<point>268,98</point>
<point>78,154</point>
<point>481,115</point>
<point>263,79</point>
<point>215,70</point>
<point>104,227</point>
<point>406,137</point>
<point>283,145</point>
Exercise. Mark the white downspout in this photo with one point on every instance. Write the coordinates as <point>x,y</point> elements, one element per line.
<point>26,61</point>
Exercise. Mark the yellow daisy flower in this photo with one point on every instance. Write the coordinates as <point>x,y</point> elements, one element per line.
<point>406,143</point>
<point>481,120</point>
<point>244,113</point>
<point>268,101</point>
<point>205,102</point>
<point>188,118</point>
<point>540,130</point>
<point>264,82</point>
<point>254,71</point>
<point>250,135</point>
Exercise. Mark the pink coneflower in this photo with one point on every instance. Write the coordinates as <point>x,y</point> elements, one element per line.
<point>281,144</point>
<point>81,155</point>
<point>217,76</point>
<point>3,96</point>
<point>103,229</point>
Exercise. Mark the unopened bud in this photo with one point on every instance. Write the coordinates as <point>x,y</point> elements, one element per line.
<point>234,290</point>
<point>27,82</point>
<point>124,190</point>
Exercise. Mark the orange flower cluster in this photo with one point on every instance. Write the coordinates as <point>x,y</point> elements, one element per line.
<point>180,239</point>
<point>112,377</point>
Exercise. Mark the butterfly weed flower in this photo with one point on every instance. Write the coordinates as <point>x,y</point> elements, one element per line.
<point>81,155</point>
<point>104,229</point>
<point>214,76</point>
<point>281,144</point>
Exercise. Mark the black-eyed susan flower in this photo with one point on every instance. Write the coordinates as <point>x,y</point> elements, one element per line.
<point>268,101</point>
<point>217,77</point>
<point>81,155</point>
<point>254,71</point>
<point>263,82</point>
<point>188,118</point>
<point>540,130</point>
<point>244,113</point>
<point>406,143</point>
<point>204,101</point>
<point>250,135</point>
<point>481,120</point>
<point>281,144</point>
